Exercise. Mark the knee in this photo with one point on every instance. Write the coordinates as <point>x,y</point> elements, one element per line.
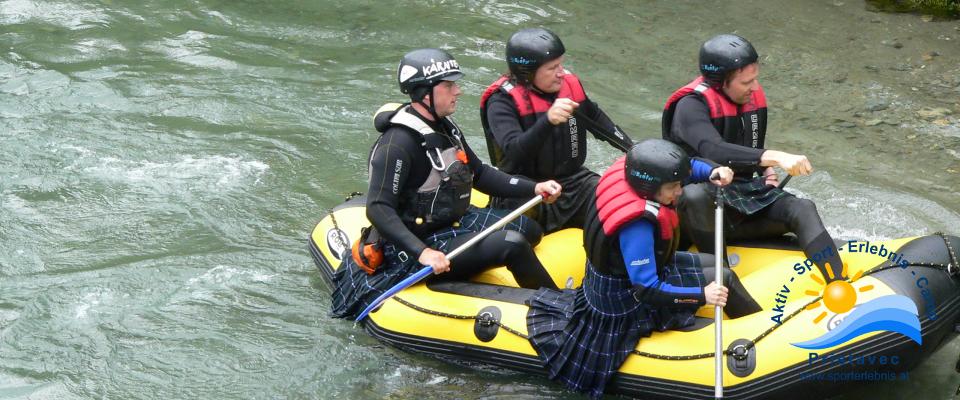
<point>801,210</point>
<point>695,203</point>
<point>511,244</point>
<point>532,232</point>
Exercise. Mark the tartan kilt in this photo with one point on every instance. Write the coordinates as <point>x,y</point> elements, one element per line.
<point>751,196</point>
<point>583,336</point>
<point>579,189</point>
<point>354,289</point>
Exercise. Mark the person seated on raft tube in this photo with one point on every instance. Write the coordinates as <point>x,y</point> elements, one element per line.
<point>529,123</point>
<point>636,280</point>
<point>722,116</point>
<point>421,175</point>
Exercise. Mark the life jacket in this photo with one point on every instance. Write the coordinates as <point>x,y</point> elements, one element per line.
<point>445,195</point>
<point>560,154</point>
<point>744,125</point>
<point>616,206</point>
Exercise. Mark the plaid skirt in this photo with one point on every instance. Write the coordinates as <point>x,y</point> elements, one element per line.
<point>583,336</point>
<point>750,196</point>
<point>569,210</point>
<point>354,289</point>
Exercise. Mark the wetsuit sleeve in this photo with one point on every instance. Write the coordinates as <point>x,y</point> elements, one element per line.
<point>700,170</point>
<point>593,111</point>
<point>636,244</point>
<point>504,122</point>
<point>691,123</point>
<point>390,166</point>
<point>495,182</point>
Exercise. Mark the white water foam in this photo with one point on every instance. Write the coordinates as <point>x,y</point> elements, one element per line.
<point>224,172</point>
<point>68,15</point>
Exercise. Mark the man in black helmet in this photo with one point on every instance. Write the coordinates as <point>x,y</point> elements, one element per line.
<point>421,175</point>
<point>722,116</point>
<point>534,120</point>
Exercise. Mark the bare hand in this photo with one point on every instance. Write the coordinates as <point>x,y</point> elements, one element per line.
<point>721,176</point>
<point>716,294</point>
<point>795,164</point>
<point>550,190</point>
<point>435,259</point>
<point>772,178</point>
<point>561,110</point>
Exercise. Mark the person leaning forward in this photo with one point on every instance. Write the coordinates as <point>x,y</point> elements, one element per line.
<point>534,118</point>
<point>421,175</point>
<point>722,116</point>
<point>636,281</point>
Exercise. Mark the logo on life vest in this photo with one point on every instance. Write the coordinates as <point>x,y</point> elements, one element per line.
<point>337,242</point>
<point>440,67</point>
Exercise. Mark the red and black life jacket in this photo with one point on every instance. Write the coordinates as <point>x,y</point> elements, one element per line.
<point>616,206</point>
<point>561,154</point>
<point>744,125</point>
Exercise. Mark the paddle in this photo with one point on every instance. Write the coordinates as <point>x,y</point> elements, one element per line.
<point>717,310</point>
<point>619,141</point>
<point>428,270</point>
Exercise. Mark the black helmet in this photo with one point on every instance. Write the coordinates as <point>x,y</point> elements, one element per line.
<point>652,163</point>
<point>420,70</point>
<point>528,49</point>
<point>723,54</point>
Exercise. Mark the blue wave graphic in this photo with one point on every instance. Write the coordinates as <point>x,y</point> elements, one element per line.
<point>894,313</point>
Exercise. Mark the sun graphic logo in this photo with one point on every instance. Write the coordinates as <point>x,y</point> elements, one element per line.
<point>894,313</point>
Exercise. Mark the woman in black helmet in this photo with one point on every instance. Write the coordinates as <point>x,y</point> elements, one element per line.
<point>636,281</point>
<point>530,127</point>
<point>421,175</point>
<point>722,116</point>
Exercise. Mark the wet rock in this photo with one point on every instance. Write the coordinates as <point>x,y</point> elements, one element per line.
<point>934,113</point>
<point>846,124</point>
<point>902,67</point>
<point>877,105</point>
<point>941,122</point>
<point>872,68</point>
<point>926,18</point>
<point>911,137</point>
<point>892,121</point>
<point>840,77</point>
<point>873,122</point>
<point>892,43</point>
<point>789,105</point>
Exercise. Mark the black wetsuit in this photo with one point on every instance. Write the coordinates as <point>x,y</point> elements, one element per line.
<point>693,128</point>
<point>524,153</point>
<point>398,164</point>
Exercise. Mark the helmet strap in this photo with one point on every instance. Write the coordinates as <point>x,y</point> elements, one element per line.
<point>430,108</point>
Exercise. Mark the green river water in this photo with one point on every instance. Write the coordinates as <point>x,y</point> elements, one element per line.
<point>162,163</point>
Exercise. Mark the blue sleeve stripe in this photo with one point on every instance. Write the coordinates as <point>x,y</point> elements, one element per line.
<point>699,171</point>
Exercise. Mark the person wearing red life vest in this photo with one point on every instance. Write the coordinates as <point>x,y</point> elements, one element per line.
<point>722,116</point>
<point>534,122</point>
<point>636,281</point>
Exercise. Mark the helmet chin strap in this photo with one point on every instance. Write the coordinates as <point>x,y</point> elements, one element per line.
<point>430,108</point>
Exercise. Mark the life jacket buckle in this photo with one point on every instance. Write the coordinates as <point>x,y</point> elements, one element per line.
<point>402,256</point>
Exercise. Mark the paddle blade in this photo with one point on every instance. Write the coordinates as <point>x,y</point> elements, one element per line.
<point>409,281</point>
